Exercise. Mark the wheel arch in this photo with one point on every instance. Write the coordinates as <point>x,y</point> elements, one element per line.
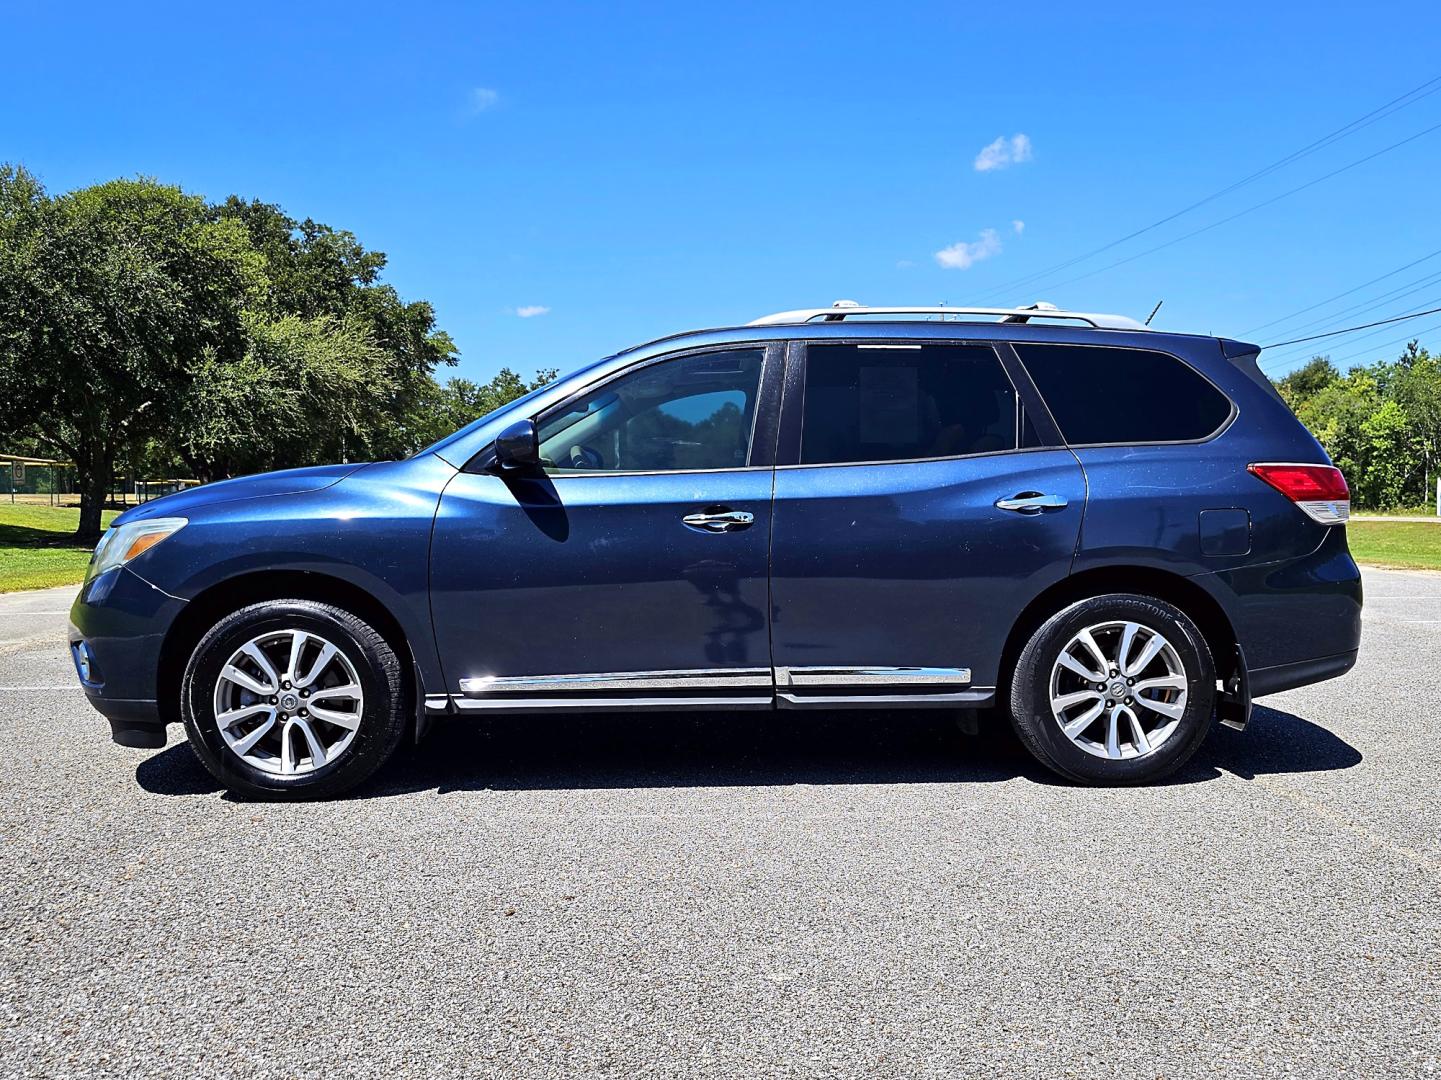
<point>206,608</point>
<point>1181,592</point>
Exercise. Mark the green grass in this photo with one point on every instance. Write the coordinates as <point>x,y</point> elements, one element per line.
<point>1399,511</point>
<point>37,548</point>
<point>1410,544</point>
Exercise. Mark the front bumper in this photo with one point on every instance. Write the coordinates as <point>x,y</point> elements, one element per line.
<point>117,626</point>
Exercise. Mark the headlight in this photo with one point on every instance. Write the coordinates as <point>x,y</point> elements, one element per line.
<point>119,545</point>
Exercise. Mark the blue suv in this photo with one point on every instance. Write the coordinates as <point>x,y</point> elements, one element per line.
<point>1111,534</point>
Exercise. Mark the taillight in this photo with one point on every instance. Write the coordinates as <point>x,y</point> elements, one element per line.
<point>1319,490</point>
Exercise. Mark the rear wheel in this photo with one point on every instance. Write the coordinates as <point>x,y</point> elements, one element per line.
<point>293,699</point>
<point>1116,689</point>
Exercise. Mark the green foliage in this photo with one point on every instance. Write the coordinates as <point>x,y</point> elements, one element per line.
<point>302,391</point>
<point>1380,423</point>
<point>447,408</point>
<point>139,324</point>
<point>108,295</point>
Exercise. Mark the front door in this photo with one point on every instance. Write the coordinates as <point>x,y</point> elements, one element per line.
<point>918,506</point>
<point>631,571</point>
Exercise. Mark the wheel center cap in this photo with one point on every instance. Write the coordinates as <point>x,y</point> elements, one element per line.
<point>289,702</point>
<point>1119,689</point>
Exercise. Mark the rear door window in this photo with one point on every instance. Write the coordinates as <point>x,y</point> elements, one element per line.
<point>880,402</point>
<point>1107,395</point>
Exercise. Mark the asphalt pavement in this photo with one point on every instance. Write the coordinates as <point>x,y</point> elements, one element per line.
<point>740,895</point>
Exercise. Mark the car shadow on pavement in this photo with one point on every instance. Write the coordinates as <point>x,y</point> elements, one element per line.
<point>660,750</point>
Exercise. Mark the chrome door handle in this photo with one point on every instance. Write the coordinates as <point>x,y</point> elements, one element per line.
<point>720,521</point>
<point>1032,502</point>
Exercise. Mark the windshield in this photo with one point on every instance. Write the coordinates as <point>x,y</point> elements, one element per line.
<point>438,447</point>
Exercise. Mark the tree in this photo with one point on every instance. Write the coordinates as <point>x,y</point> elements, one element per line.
<point>1307,381</point>
<point>450,407</point>
<point>108,297</point>
<point>1381,423</point>
<point>314,272</point>
<point>303,391</point>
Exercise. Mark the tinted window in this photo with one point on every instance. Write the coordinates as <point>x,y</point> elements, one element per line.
<point>1100,395</point>
<point>895,402</point>
<point>694,412</point>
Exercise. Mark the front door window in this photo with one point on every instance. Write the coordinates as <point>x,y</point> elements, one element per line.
<point>691,413</point>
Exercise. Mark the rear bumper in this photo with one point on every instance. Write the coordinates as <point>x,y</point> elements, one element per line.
<point>1272,680</point>
<point>117,625</point>
<point>1299,621</point>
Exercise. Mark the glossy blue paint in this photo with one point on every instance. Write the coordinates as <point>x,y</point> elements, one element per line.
<point>901,564</point>
<point>577,574</point>
<point>123,618</point>
<point>1225,532</point>
<point>371,531</point>
<point>912,563</point>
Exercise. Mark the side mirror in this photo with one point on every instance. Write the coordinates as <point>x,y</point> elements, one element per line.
<point>517,447</point>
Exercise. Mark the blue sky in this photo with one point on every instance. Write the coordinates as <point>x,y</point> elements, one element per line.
<point>625,171</point>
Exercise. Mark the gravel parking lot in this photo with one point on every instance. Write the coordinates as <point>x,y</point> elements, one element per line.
<point>738,895</point>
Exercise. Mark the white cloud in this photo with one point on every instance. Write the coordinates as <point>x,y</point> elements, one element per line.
<point>530,311</point>
<point>482,98</point>
<point>1004,152</point>
<point>962,256</point>
<point>1019,226</point>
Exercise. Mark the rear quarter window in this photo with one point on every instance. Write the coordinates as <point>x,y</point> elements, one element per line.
<point>1107,395</point>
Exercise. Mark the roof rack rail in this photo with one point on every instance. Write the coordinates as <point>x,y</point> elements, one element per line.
<point>844,309</point>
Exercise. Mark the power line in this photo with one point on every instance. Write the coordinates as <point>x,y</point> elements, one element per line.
<point>1353,329</point>
<point>1415,335</point>
<point>1420,284</point>
<point>1340,295</point>
<point>1414,95</point>
<point>1249,209</point>
<point>1291,359</point>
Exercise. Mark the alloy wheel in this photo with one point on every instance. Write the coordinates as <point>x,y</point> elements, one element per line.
<point>1118,690</point>
<point>288,702</point>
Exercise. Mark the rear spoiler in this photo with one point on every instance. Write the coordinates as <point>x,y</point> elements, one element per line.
<point>1243,354</point>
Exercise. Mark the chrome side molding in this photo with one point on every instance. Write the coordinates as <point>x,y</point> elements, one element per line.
<point>715,688</point>
<point>686,679</point>
<point>887,677</point>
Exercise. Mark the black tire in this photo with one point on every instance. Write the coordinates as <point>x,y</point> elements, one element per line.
<point>1038,727</point>
<point>383,713</point>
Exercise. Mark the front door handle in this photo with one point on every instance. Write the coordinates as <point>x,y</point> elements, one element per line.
<point>1032,502</point>
<point>720,521</point>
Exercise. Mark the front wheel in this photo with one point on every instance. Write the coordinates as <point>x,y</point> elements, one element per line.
<point>1116,689</point>
<point>293,699</point>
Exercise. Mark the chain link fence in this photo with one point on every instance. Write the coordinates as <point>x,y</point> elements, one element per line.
<point>47,482</point>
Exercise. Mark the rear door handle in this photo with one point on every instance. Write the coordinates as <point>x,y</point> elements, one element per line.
<point>1032,502</point>
<point>720,521</point>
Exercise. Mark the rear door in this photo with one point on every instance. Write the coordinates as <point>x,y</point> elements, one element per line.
<point>921,499</point>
